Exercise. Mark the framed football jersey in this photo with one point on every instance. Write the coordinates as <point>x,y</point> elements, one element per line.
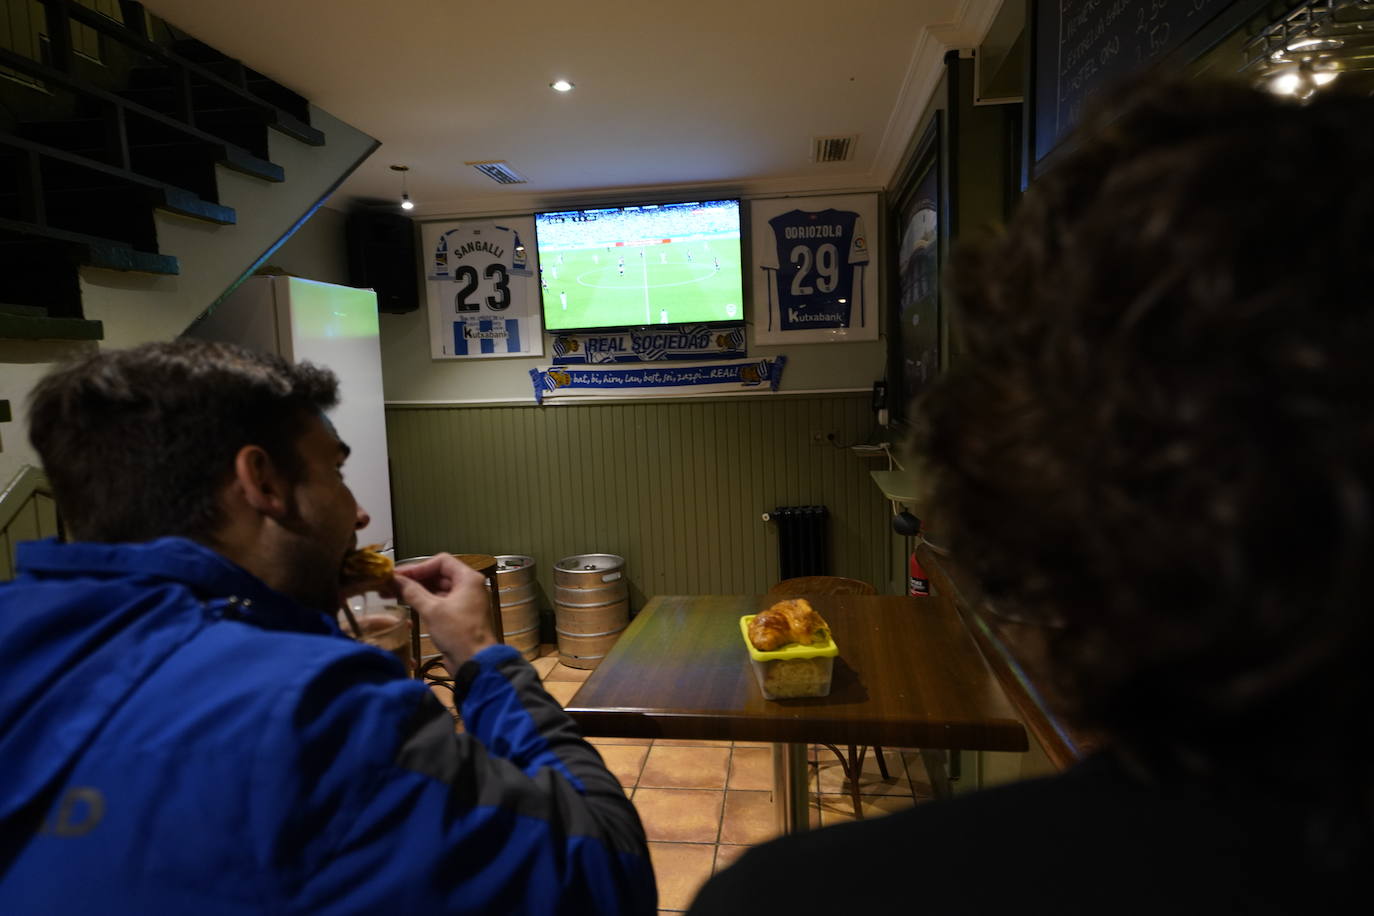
<point>815,269</point>
<point>481,288</point>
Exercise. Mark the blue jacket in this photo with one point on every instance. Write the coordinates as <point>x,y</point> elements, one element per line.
<point>177,737</point>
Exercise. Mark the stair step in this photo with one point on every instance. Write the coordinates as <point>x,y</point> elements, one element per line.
<point>264,87</point>
<point>24,327</point>
<point>85,175</point>
<point>25,311</point>
<point>89,250</point>
<point>242,161</point>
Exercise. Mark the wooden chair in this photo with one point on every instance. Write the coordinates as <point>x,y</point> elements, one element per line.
<point>805,586</point>
<point>429,667</point>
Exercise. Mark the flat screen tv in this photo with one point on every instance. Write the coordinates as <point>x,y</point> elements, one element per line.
<point>624,267</point>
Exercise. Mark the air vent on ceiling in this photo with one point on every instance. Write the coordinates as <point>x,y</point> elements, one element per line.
<point>498,171</point>
<point>833,149</point>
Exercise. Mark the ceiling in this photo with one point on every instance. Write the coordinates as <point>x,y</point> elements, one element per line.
<point>710,94</point>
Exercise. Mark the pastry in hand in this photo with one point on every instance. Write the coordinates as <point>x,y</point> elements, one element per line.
<point>790,621</point>
<point>365,569</point>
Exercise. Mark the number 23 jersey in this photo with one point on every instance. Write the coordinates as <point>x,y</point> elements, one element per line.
<point>476,265</point>
<point>817,253</point>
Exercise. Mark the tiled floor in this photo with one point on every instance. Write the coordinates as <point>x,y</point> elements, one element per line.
<point>703,803</point>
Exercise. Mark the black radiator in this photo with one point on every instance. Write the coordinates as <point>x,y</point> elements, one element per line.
<point>802,541</point>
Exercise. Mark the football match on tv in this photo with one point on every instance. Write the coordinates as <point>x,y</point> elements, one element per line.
<point>619,267</point>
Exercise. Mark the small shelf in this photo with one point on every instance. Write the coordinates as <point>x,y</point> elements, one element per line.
<point>898,486</point>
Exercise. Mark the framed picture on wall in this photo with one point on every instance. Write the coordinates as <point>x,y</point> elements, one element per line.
<point>815,271</point>
<point>919,216</point>
<point>482,288</point>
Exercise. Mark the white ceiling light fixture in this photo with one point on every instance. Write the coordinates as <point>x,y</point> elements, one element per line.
<point>561,85</point>
<point>406,202</point>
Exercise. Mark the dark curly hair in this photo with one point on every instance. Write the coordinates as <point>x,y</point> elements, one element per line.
<point>139,442</point>
<point>1159,438</point>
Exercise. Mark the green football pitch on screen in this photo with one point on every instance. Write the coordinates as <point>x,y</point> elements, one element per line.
<point>624,286</point>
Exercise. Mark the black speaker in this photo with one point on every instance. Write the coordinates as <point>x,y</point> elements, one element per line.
<point>381,256</point>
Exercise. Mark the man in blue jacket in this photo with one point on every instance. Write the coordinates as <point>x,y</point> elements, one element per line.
<point>183,728</point>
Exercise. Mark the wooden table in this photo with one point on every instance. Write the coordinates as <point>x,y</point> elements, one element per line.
<point>908,675</point>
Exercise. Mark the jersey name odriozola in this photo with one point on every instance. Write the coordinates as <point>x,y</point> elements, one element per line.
<point>817,261</point>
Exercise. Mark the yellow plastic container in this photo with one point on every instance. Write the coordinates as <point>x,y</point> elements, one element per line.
<point>794,670</point>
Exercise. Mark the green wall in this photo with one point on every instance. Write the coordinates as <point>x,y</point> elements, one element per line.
<point>677,488</point>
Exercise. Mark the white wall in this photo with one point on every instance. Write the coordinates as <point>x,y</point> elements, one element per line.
<point>317,251</point>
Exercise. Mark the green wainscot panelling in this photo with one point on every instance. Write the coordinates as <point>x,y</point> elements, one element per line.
<point>678,489</point>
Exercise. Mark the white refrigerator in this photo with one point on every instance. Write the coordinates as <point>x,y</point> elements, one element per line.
<point>332,326</point>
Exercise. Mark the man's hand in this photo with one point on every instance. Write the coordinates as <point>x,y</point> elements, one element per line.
<point>453,603</point>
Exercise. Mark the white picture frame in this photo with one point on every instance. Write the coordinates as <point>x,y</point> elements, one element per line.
<point>815,267</point>
<point>483,303</point>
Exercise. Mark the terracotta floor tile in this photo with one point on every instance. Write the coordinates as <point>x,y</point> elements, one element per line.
<point>751,768</point>
<point>680,815</point>
<point>690,742</point>
<point>837,809</point>
<point>624,761</point>
<point>871,781</point>
<point>548,648</point>
<point>680,869</point>
<point>727,854</point>
<point>637,742</point>
<point>749,818</point>
<point>543,666</point>
<point>561,672</point>
<point>674,767</point>
<point>752,744</point>
<point>562,691</point>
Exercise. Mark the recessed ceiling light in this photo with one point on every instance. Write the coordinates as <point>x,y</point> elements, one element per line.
<point>561,86</point>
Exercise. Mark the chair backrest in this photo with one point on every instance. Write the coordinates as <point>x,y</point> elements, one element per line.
<point>821,585</point>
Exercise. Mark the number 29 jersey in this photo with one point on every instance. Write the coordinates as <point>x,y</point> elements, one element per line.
<point>816,263</point>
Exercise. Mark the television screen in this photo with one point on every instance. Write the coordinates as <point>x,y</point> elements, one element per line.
<point>620,267</point>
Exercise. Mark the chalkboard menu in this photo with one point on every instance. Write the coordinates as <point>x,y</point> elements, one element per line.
<point>1083,46</point>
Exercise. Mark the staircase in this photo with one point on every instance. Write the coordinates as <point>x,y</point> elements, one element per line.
<point>138,189</point>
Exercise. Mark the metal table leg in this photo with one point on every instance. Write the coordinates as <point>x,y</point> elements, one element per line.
<point>791,798</point>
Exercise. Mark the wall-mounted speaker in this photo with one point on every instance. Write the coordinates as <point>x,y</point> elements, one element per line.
<point>381,256</point>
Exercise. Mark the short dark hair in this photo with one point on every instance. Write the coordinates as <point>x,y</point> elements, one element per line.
<point>1160,434</point>
<point>138,443</point>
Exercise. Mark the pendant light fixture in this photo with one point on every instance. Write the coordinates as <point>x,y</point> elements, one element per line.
<point>406,202</point>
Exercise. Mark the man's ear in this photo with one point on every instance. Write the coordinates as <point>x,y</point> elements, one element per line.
<point>262,484</point>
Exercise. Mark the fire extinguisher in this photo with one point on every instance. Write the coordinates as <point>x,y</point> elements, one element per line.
<point>917,584</point>
<point>909,526</point>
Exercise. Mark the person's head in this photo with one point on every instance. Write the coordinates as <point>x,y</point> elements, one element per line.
<point>208,441</point>
<point>1160,434</point>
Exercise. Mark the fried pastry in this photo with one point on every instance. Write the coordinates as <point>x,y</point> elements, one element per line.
<point>365,568</point>
<point>790,621</point>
